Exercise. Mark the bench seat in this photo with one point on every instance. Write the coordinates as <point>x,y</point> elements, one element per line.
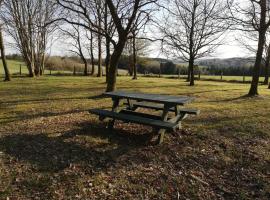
<point>160,107</point>
<point>126,117</point>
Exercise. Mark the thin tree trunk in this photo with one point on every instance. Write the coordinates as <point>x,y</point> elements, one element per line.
<point>92,54</point>
<point>134,58</point>
<point>257,67</point>
<point>99,57</point>
<point>42,71</point>
<point>108,57</point>
<point>267,65</point>
<point>3,56</point>
<point>108,51</point>
<point>99,42</point>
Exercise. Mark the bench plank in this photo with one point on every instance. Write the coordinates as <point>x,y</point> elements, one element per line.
<point>141,114</point>
<point>161,107</point>
<point>135,119</point>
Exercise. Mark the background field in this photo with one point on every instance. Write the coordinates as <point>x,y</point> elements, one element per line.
<point>52,148</point>
<point>14,67</point>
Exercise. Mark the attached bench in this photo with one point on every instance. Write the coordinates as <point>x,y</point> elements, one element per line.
<point>138,118</point>
<point>155,106</point>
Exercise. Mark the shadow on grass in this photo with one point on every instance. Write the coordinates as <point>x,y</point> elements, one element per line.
<point>244,97</point>
<point>98,97</point>
<point>34,116</point>
<point>54,154</point>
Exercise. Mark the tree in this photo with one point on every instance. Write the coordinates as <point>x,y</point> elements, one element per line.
<point>90,37</point>
<point>3,56</point>
<point>123,13</point>
<point>247,41</point>
<point>26,20</point>
<point>253,16</point>
<point>192,29</point>
<point>77,43</point>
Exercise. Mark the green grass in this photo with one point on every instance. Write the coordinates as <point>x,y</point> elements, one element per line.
<point>14,67</point>
<point>52,148</point>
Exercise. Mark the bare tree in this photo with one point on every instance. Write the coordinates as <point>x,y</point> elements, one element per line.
<point>192,29</point>
<point>3,55</point>
<point>124,14</point>
<point>26,20</point>
<point>90,38</point>
<point>253,16</point>
<point>248,40</point>
<point>77,43</point>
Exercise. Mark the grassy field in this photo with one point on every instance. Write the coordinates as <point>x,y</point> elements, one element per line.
<point>14,67</point>
<point>52,148</point>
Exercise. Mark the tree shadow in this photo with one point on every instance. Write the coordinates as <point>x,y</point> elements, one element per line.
<point>98,97</point>
<point>244,97</point>
<point>53,154</point>
<point>24,116</point>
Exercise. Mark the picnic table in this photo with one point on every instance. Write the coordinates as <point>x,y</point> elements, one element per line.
<point>133,101</point>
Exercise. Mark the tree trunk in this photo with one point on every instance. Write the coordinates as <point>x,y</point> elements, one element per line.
<point>191,67</point>
<point>111,85</point>
<point>30,67</point>
<point>42,71</point>
<point>99,41</point>
<point>99,57</point>
<point>257,67</point>
<point>134,58</point>
<point>188,74</point>
<point>267,65</point>
<point>108,50</point>
<point>92,54</point>
<point>3,56</point>
<point>37,67</point>
<point>85,73</point>
<point>108,57</point>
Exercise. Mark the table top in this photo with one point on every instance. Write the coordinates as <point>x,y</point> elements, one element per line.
<point>156,98</point>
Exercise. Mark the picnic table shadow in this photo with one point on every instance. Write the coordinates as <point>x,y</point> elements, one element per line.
<point>53,154</point>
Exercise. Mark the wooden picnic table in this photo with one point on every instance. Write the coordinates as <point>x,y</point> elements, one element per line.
<point>136,100</point>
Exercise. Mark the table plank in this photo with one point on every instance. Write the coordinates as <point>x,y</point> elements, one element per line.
<point>156,98</point>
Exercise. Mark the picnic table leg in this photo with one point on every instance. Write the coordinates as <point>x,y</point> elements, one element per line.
<point>114,109</point>
<point>130,105</point>
<point>164,117</point>
<point>177,113</point>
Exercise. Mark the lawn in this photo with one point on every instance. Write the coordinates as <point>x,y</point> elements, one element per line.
<point>52,148</point>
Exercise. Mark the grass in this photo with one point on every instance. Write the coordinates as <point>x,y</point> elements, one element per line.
<point>52,148</point>
<point>14,67</point>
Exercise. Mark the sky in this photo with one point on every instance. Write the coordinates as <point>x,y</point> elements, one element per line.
<point>229,50</point>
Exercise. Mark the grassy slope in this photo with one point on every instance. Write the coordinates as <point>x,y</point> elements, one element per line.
<point>51,148</point>
<point>14,67</point>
